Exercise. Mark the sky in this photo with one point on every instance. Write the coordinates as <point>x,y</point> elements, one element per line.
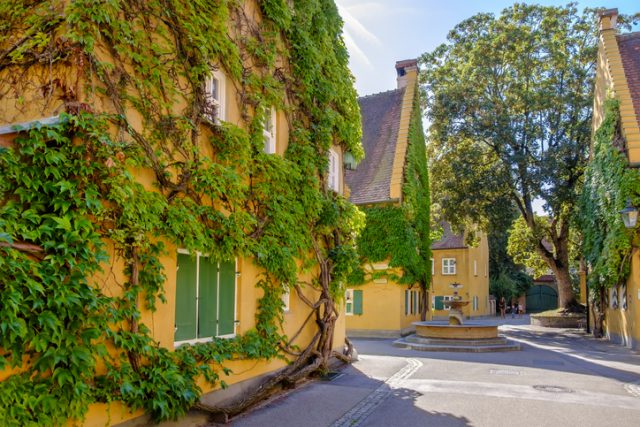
<point>380,32</point>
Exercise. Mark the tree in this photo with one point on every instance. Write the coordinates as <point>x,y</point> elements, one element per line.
<point>509,100</point>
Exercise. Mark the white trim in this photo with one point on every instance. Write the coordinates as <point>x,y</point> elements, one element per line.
<point>23,126</point>
<point>433,267</point>
<point>219,102</point>
<point>450,268</point>
<point>270,135</point>
<point>333,176</point>
<point>347,293</point>
<point>475,267</point>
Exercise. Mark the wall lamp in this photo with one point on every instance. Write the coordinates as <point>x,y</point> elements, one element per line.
<point>629,215</point>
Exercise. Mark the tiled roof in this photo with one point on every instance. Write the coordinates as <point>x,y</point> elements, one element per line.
<point>449,239</point>
<point>629,45</point>
<point>370,181</point>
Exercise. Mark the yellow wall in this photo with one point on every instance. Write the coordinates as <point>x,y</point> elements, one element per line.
<point>161,322</point>
<point>620,325</point>
<point>383,311</point>
<point>474,283</point>
<point>623,325</point>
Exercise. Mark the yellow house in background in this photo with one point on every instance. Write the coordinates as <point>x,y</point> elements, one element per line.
<point>382,307</point>
<point>618,77</point>
<point>456,262</point>
<point>204,298</point>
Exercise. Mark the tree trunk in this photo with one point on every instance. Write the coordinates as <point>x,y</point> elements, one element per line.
<point>566,296</point>
<point>425,298</point>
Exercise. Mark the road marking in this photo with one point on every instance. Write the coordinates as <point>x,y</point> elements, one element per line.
<point>633,388</point>
<point>356,415</point>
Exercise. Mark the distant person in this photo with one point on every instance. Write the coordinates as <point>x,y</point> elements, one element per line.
<point>514,308</point>
<point>520,310</point>
<point>502,305</point>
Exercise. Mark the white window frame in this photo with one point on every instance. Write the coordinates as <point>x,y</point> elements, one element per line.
<point>445,300</point>
<point>475,303</point>
<point>177,344</point>
<point>433,267</point>
<point>219,102</point>
<point>475,267</point>
<point>269,131</point>
<point>348,296</point>
<point>286,298</point>
<point>333,176</point>
<point>448,267</point>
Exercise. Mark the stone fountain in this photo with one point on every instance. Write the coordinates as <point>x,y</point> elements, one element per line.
<point>456,335</point>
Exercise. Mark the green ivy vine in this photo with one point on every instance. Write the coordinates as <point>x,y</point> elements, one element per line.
<point>130,80</point>
<point>607,244</point>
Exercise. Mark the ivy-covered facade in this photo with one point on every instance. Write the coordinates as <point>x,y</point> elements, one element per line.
<point>612,178</point>
<point>171,211</point>
<point>391,185</point>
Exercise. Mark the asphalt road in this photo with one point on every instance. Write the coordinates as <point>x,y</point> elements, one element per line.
<point>560,378</point>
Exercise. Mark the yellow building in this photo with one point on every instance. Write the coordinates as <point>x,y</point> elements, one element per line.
<point>241,108</point>
<point>456,262</point>
<point>383,307</point>
<point>618,77</point>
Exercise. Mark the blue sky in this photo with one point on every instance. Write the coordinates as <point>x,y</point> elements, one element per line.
<point>380,32</point>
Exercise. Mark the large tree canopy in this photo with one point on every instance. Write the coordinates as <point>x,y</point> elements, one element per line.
<point>509,100</point>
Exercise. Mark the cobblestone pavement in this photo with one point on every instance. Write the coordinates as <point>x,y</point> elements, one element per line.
<point>560,378</point>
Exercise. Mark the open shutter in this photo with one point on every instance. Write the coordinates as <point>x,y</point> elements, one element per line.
<point>439,303</point>
<point>406,302</point>
<point>207,298</point>
<point>357,302</point>
<point>186,280</point>
<point>227,293</point>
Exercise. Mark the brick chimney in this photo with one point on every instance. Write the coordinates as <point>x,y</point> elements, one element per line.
<point>608,19</point>
<point>407,72</point>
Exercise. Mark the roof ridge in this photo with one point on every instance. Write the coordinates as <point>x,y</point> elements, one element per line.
<point>379,93</point>
<point>629,35</point>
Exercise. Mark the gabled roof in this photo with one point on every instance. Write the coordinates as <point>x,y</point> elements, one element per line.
<point>449,239</point>
<point>629,46</point>
<point>371,180</point>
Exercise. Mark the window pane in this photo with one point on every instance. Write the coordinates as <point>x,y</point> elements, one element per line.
<point>215,89</point>
<point>185,299</point>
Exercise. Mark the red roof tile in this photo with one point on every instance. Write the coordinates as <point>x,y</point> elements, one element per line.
<point>449,239</point>
<point>370,181</point>
<point>629,45</point>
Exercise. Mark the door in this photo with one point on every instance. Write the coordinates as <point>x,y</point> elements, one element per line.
<point>541,298</point>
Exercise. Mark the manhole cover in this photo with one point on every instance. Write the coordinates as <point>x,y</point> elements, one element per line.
<point>553,388</point>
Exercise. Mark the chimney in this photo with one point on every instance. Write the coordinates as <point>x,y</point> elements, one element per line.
<point>608,19</point>
<point>407,72</point>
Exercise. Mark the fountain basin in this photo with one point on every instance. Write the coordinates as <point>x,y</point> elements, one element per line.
<point>469,330</point>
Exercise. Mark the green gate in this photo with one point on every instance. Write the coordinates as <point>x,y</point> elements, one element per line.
<point>541,298</point>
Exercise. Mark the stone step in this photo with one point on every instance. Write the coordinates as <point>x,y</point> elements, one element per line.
<point>456,346</point>
<point>453,342</point>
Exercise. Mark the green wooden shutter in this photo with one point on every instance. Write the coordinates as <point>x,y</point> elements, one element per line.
<point>406,302</point>
<point>207,298</point>
<point>439,305</point>
<point>227,292</point>
<point>186,325</point>
<point>357,302</point>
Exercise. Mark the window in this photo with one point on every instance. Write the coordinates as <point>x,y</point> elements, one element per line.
<point>205,299</point>
<point>448,266</point>
<point>333,177</point>
<point>433,267</point>
<point>475,267</point>
<point>475,303</point>
<point>411,302</point>
<point>215,92</point>
<point>353,302</point>
<point>269,131</point>
<point>440,302</point>
<point>286,298</point>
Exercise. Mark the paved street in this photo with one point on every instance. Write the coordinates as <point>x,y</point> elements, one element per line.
<point>560,378</point>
